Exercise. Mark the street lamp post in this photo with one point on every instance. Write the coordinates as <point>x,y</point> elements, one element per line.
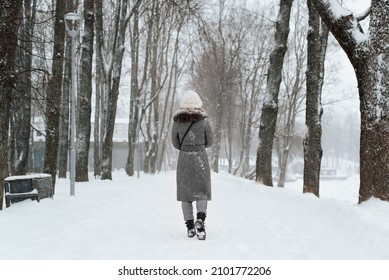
<point>72,24</point>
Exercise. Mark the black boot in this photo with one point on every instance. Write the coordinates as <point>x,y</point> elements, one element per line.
<point>191,228</point>
<point>201,234</point>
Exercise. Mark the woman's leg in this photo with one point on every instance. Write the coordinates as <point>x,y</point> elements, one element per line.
<point>201,206</point>
<point>187,210</point>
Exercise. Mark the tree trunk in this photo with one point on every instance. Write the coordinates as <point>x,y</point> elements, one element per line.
<point>368,55</point>
<point>317,45</point>
<point>63,152</point>
<point>85,94</point>
<point>112,80</point>
<point>218,122</point>
<point>373,83</point>
<point>64,119</point>
<point>135,96</point>
<point>292,97</point>
<point>229,138</point>
<point>374,145</point>
<point>21,97</point>
<point>270,106</point>
<point>53,98</point>
<point>8,32</point>
<point>97,128</point>
<point>152,125</point>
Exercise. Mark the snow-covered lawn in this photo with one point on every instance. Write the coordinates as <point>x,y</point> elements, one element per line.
<point>140,219</point>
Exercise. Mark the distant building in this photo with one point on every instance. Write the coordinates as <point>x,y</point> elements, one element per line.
<point>119,153</point>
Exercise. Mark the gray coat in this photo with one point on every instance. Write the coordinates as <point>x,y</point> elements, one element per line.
<point>193,171</point>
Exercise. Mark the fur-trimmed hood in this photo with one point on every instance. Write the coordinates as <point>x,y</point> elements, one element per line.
<point>190,115</point>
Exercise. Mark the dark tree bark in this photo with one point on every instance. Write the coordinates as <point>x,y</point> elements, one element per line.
<point>9,13</point>
<point>100,87</point>
<point>53,98</point>
<point>152,124</point>
<point>112,82</point>
<point>135,95</point>
<point>317,45</point>
<point>63,149</point>
<point>97,127</point>
<point>21,96</point>
<point>270,106</point>
<point>369,56</point>
<point>85,94</point>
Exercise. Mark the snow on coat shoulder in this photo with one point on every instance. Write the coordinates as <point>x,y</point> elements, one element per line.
<point>193,170</point>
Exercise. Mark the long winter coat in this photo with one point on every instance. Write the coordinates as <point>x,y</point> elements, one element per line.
<point>193,171</point>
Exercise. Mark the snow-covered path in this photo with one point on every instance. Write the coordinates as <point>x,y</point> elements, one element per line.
<point>130,218</point>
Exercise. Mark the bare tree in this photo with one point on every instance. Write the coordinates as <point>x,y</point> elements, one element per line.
<point>85,94</point>
<point>111,59</point>
<point>8,32</point>
<point>317,46</point>
<point>252,84</point>
<point>63,149</point>
<point>98,120</point>
<point>216,73</point>
<point>293,93</point>
<point>367,52</point>
<point>99,126</point>
<point>270,106</point>
<point>153,92</point>
<point>21,95</point>
<point>175,61</point>
<point>151,102</point>
<point>135,93</point>
<point>53,98</point>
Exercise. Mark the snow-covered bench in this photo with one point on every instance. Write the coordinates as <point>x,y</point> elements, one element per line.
<point>34,186</point>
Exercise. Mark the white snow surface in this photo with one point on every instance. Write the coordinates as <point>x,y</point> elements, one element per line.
<point>337,9</point>
<point>130,218</point>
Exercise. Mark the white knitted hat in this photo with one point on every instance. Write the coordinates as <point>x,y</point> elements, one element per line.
<point>191,100</point>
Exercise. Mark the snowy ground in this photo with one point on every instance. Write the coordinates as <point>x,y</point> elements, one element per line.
<point>140,219</point>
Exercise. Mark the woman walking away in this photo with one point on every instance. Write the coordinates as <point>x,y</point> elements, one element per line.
<point>191,134</point>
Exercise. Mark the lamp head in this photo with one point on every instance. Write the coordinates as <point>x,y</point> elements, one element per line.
<point>72,23</point>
